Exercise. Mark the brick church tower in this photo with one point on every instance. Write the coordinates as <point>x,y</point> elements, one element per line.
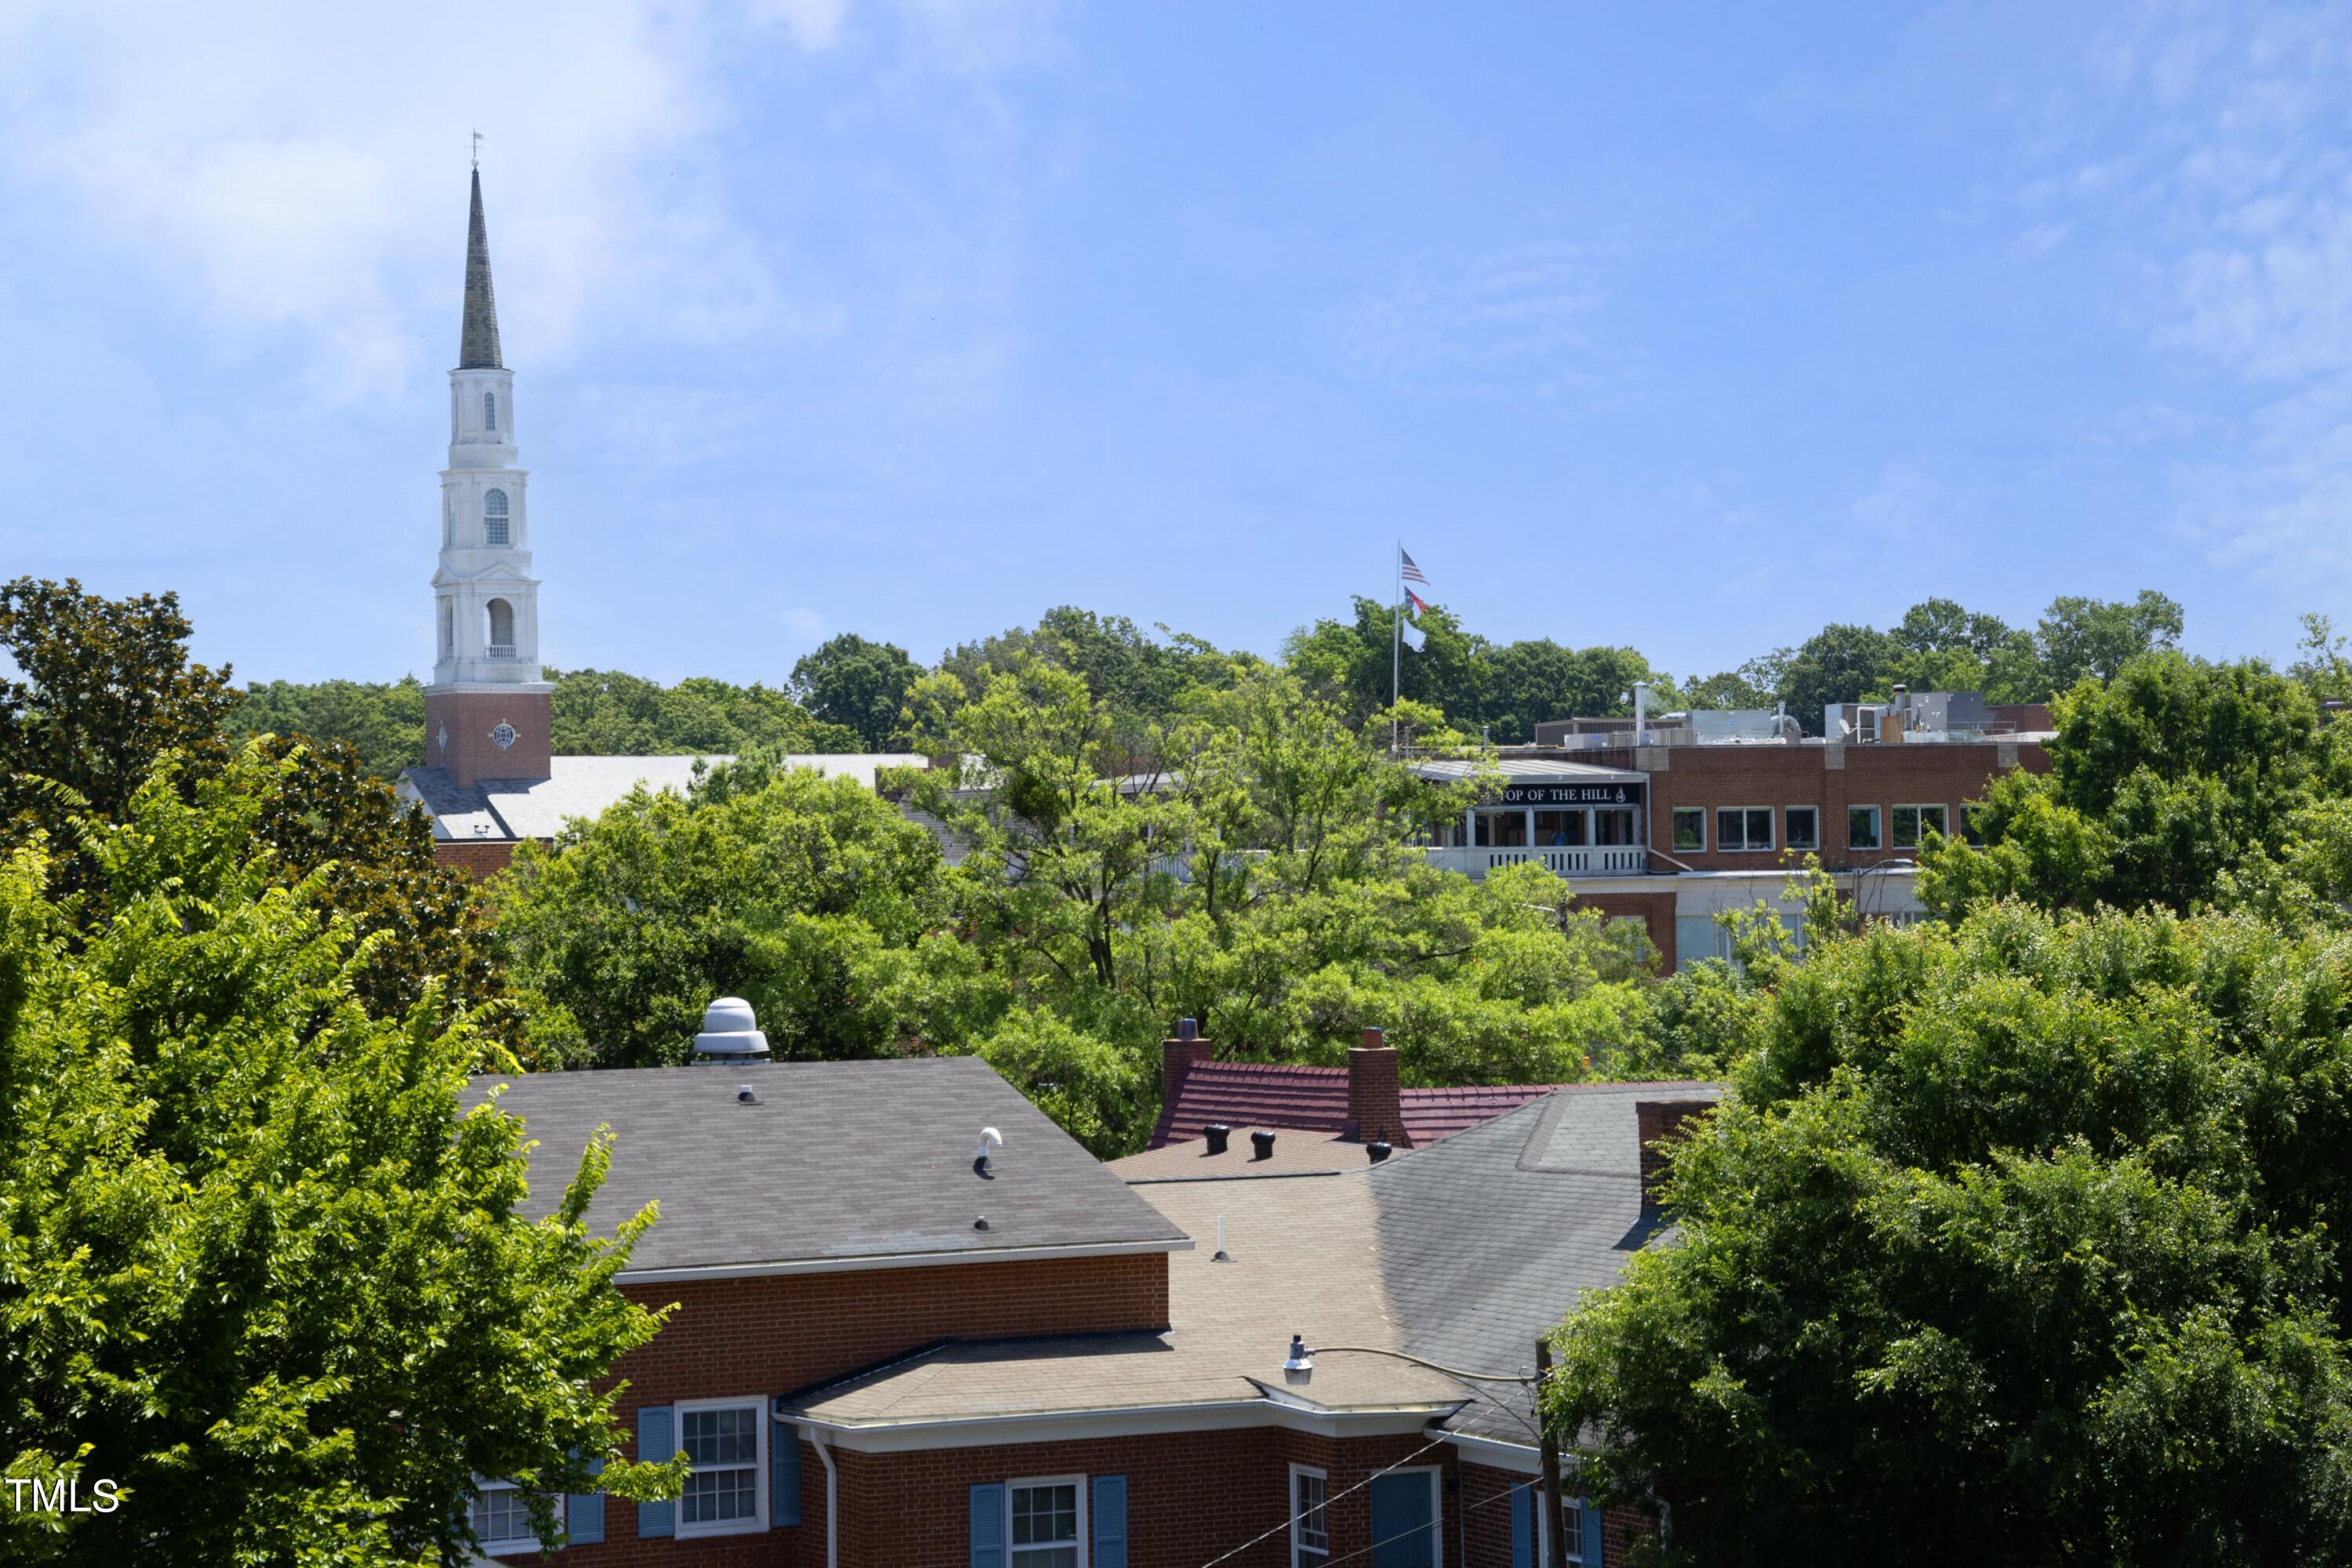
<point>488,712</point>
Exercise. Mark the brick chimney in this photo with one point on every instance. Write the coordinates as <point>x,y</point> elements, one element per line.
<point>1662,1120</point>
<point>1375,1105</point>
<point>1177,1057</point>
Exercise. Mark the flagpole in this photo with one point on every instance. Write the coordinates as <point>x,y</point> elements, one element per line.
<point>1396,650</point>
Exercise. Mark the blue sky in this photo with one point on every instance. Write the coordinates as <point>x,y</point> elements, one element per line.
<point>1692,328</point>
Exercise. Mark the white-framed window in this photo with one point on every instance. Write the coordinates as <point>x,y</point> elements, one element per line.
<point>449,522</point>
<point>1913,823</point>
<point>1310,1526</point>
<point>726,1441</point>
<point>1690,829</point>
<point>490,412</point>
<point>1045,1522</point>
<point>1862,827</point>
<point>1804,826</point>
<point>500,1516</point>
<point>448,627</point>
<point>494,520</point>
<point>1571,1528</point>
<point>1743,827</point>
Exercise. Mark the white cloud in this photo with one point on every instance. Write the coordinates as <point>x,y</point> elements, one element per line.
<point>302,167</point>
<point>2224,194</point>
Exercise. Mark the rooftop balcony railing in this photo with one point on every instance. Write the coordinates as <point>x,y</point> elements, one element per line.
<point>1592,861</point>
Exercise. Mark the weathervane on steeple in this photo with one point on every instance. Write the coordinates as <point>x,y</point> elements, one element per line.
<point>478,148</point>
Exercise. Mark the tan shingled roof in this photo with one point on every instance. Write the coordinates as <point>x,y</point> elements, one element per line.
<point>1304,1248</point>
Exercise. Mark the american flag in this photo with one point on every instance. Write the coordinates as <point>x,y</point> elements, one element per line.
<point>1407,569</point>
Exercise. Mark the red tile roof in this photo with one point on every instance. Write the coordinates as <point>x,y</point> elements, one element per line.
<point>1315,1100</point>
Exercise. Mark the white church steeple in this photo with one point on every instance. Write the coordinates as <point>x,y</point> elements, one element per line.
<point>486,670</point>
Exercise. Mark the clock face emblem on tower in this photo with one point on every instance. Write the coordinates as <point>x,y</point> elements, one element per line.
<point>503,736</point>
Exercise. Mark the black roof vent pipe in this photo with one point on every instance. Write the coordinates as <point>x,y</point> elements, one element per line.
<point>1261,1145</point>
<point>1216,1132</point>
<point>1378,1149</point>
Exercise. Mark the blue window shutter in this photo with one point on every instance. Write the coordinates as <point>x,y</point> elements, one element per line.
<point>1591,1534</point>
<point>583,1513</point>
<point>1523,1526</point>
<point>783,1475</point>
<point>1109,1521</point>
<point>988,1527</point>
<point>657,1441</point>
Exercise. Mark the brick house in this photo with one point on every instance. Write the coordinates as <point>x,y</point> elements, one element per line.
<point>864,1372</point>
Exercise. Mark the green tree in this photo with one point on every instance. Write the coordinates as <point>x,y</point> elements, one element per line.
<point>1349,663</point>
<point>811,898</point>
<point>262,1268</point>
<point>2323,666</point>
<point>2016,1237</point>
<point>857,684</point>
<point>384,725</point>
<point>1136,676</point>
<point>2165,785</point>
<point>1836,664</point>
<point>2080,637</point>
<point>1527,683</point>
<point>103,687</point>
<point>608,713</point>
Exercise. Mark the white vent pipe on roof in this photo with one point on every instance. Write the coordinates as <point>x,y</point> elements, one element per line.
<point>990,1138</point>
<point>730,1033</point>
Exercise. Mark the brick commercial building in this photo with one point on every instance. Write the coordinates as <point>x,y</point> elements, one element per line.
<point>1672,822</point>
<point>890,1351</point>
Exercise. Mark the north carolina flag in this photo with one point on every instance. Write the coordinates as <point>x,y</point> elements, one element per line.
<point>1418,604</point>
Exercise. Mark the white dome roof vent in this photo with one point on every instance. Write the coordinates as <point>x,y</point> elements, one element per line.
<point>730,1033</point>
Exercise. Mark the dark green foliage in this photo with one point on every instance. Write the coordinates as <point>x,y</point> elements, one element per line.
<point>1138,679</point>
<point>260,1271</point>
<point>858,684</point>
<point>1836,664</point>
<point>2167,786</point>
<point>103,687</point>
<point>384,725</point>
<point>2095,639</point>
<point>605,714</point>
<point>811,898</point>
<point>2019,1239</point>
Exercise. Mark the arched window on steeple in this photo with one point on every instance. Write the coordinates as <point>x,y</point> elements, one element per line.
<point>501,630</point>
<point>448,628</point>
<point>494,520</point>
<point>490,412</point>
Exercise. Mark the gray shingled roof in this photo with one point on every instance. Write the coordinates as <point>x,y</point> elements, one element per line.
<point>839,1161</point>
<point>1556,1192</point>
<point>1464,1254</point>
<point>477,340</point>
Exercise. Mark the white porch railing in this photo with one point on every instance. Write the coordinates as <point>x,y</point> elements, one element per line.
<point>1594,860</point>
<point>499,650</point>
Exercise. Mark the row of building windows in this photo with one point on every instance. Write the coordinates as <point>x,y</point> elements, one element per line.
<point>1742,830</point>
<point>1049,1521</point>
